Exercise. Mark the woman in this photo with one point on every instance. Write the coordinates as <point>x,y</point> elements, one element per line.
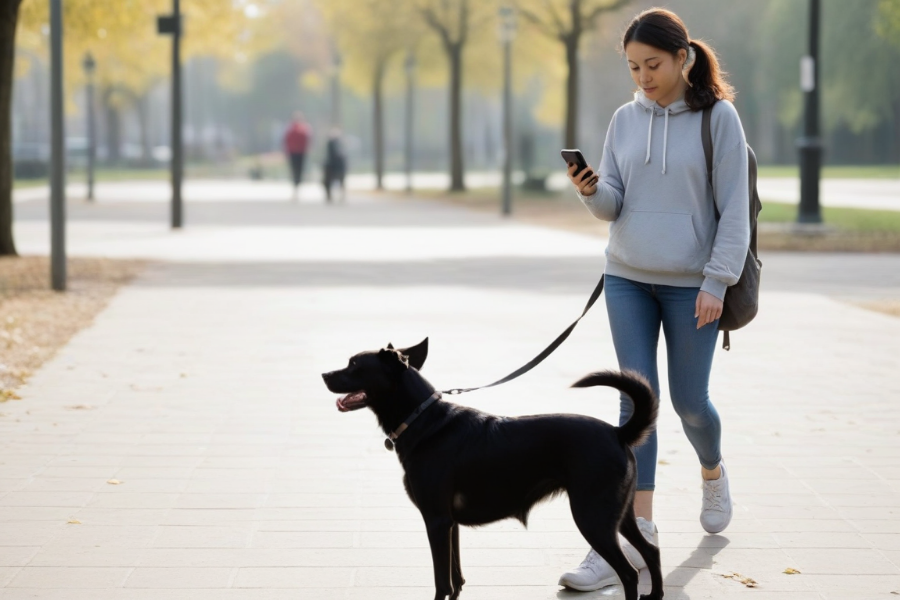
<point>669,260</point>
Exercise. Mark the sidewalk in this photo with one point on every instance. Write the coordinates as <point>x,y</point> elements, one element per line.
<point>199,390</point>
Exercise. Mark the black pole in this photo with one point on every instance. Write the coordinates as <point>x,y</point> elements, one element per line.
<point>177,158</point>
<point>810,145</point>
<point>410,99</point>
<point>507,126</point>
<point>58,153</point>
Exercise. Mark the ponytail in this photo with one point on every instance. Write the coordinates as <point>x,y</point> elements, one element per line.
<point>663,29</point>
<point>706,79</point>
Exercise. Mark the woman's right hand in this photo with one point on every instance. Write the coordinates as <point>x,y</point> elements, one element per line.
<point>585,182</point>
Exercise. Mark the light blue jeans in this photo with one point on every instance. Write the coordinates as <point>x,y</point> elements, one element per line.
<point>636,311</point>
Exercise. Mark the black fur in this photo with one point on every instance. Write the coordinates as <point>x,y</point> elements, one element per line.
<point>466,467</point>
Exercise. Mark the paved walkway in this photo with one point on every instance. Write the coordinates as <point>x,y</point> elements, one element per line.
<point>198,389</point>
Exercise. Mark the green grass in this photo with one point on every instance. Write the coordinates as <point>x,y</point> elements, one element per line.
<point>835,172</point>
<point>850,219</point>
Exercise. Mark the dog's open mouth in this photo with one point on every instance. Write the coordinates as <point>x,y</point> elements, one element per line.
<point>353,401</point>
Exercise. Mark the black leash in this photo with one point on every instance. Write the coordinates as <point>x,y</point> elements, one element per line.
<point>547,351</point>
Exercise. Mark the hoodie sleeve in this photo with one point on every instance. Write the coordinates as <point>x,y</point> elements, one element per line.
<point>606,202</point>
<point>732,196</point>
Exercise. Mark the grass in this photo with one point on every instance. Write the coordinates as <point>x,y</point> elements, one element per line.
<point>835,171</point>
<point>849,219</point>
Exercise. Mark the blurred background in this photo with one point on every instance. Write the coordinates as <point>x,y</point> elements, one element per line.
<point>363,65</point>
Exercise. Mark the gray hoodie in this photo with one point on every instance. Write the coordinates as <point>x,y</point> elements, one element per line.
<point>653,187</point>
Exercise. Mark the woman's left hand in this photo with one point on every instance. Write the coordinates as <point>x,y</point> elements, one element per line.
<point>708,309</point>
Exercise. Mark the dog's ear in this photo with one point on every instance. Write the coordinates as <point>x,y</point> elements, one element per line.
<point>416,354</point>
<point>390,346</point>
<point>393,357</point>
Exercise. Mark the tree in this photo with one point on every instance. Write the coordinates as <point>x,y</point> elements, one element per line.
<point>370,34</point>
<point>9,16</point>
<point>567,21</point>
<point>888,21</point>
<point>455,22</point>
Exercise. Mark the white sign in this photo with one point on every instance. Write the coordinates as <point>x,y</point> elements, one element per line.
<point>807,74</point>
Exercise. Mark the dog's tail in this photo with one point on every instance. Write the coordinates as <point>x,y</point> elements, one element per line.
<point>646,404</point>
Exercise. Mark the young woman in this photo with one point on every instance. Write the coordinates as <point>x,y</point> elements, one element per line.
<point>669,260</point>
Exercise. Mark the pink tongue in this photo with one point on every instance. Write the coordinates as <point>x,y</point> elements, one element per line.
<point>351,402</point>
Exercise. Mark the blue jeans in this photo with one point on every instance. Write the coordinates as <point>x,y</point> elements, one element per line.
<point>636,311</point>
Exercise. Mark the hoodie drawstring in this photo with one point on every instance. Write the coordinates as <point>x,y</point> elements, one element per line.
<point>665,139</point>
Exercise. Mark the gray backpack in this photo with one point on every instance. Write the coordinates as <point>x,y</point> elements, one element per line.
<point>742,298</point>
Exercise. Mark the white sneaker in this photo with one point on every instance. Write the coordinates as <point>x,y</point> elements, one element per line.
<point>717,506</point>
<point>594,573</point>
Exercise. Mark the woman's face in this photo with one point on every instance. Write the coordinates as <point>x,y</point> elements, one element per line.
<point>657,72</point>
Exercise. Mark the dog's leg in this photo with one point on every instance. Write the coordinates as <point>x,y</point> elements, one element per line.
<point>457,576</point>
<point>597,513</point>
<point>439,538</point>
<point>649,553</point>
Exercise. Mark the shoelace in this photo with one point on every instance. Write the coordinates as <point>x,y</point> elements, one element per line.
<point>712,496</point>
<point>590,560</point>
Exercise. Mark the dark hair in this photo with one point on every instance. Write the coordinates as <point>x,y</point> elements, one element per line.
<point>663,29</point>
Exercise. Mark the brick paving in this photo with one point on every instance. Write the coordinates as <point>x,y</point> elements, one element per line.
<point>198,390</point>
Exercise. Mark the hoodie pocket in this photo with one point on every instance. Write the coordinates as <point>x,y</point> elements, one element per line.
<point>657,241</point>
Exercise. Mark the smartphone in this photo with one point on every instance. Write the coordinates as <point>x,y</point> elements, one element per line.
<point>574,156</point>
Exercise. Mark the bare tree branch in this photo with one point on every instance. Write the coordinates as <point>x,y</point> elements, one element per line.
<point>539,23</point>
<point>592,16</point>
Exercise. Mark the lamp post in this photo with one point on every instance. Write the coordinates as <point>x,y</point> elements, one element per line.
<point>58,152</point>
<point>810,145</point>
<point>172,25</point>
<point>89,66</point>
<point>507,34</point>
<point>410,66</point>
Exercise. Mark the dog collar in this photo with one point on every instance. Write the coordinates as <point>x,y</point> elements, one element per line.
<point>389,441</point>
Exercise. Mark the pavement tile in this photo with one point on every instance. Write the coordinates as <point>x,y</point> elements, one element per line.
<point>179,578</point>
<point>69,577</point>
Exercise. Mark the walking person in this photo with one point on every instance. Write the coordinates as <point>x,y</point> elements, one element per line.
<point>669,258</point>
<point>296,143</point>
<point>335,164</point>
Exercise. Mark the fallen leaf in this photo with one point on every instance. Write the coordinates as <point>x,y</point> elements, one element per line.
<point>74,522</point>
<point>790,571</point>
<point>113,482</point>
<point>747,581</point>
<point>7,394</point>
<point>80,407</point>
<point>663,462</point>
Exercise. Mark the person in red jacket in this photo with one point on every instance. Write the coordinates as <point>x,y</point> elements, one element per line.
<point>296,143</point>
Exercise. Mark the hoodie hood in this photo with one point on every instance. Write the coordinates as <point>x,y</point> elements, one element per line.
<point>654,109</point>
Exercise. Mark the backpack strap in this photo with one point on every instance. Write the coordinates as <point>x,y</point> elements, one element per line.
<point>706,136</point>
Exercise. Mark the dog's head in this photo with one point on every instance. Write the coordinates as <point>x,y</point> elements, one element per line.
<point>372,377</point>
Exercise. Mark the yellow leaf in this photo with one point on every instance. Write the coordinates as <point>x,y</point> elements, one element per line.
<point>113,482</point>
<point>74,522</point>
<point>790,571</point>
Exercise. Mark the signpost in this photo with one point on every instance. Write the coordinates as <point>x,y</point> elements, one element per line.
<point>58,153</point>
<point>172,25</point>
<point>810,145</point>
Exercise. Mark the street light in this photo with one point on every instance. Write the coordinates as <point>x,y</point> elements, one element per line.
<point>507,33</point>
<point>172,25</point>
<point>58,152</point>
<point>410,66</point>
<point>89,66</point>
<point>810,145</point>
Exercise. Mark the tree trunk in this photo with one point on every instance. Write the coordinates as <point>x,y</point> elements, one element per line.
<point>143,110</point>
<point>9,14</point>
<point>571,136</point>
<point>378,117</point>
<point>457,180</point>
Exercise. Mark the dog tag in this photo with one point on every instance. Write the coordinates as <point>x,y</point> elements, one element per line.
<point>388,444</point>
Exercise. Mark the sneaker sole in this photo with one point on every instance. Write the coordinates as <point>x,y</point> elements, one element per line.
<point>589,588</point>
<point>724,527</point>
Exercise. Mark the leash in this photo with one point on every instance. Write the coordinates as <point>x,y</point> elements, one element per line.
<point>540,357</point>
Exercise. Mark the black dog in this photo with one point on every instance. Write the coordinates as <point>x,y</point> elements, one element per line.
<point>465,467</point>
